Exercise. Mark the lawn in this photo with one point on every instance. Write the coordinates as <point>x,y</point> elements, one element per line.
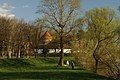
<point>42,69</point>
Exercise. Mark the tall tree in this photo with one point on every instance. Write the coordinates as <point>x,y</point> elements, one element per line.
<point>101,22</point>
<point>60,15</point>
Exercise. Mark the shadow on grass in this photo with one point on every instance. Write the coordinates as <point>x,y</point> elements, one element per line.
<point>14,63</point>
<point>54,67</point>
<point>27,62</point>
<point>51,75</point>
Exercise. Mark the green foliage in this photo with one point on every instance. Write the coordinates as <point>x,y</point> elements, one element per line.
<point>42,68</point>
<point>97,47</point>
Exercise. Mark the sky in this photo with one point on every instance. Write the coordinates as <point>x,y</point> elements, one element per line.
<point>26,9</point>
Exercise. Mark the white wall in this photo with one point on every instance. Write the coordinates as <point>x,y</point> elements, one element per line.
<point>57,50</point>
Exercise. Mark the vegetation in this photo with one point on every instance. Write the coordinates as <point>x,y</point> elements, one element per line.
<point>61,16</point>
<point>94,40</point>
<point>42,68</point>
<point>98,45</point>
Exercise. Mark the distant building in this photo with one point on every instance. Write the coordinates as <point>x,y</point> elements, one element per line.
<point>46,42</point>
<point>46,38</point>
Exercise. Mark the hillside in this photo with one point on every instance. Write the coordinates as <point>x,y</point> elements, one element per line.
<point>44,69</point>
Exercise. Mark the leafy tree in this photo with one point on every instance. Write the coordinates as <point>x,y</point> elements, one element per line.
<point>101,28</point>
<point>93,43</point>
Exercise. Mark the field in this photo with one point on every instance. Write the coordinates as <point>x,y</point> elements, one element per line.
<point>42,69</point>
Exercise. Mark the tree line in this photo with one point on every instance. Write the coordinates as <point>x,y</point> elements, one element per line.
<point>18,38</point>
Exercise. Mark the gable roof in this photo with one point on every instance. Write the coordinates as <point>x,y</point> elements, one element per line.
<point>47,41</point>
<point>46,38</point>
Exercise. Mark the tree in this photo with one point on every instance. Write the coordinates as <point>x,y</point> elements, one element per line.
<point>101,26</point>
<point>60,15</point>
<point>13,45</point>
<point>39,28</point>
<point>4,31</point>
<point>7,31</point>
<point>98,36</point>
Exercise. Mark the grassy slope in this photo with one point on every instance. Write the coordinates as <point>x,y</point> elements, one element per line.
<point>42,68</point>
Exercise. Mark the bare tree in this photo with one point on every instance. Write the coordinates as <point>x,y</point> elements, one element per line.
<point>60,15</point>
<point>38,31</point>
<point>15,37</point>
<point>7,27</point>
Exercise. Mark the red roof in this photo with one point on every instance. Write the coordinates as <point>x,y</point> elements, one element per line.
<point>46,38</point>
<point>47,35</point>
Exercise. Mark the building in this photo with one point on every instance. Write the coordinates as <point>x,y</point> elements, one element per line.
<point>46,38</point>
<point>46,42</point>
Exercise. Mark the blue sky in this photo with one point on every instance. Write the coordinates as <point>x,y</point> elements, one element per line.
<point>89,4</point>
<point>26,8</point>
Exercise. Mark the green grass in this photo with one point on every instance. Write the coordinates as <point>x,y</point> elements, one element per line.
<point>42,69</point>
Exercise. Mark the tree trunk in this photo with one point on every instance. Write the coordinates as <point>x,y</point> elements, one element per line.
<point>61,60</point>
<point>96,63</point>
<point>9,48</point>
<point>96,66</point>
<point>45,51</point>
<point>2,54</point>
<point>96,57</point>
<point>27,50</point>
<point>18,55</point>
<point>28,53</point>
<point>36,53</point>
<point>55,51</point>
<point>9,52</point>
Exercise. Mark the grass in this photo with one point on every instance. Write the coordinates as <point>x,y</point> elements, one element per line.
<point>42,69</point>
